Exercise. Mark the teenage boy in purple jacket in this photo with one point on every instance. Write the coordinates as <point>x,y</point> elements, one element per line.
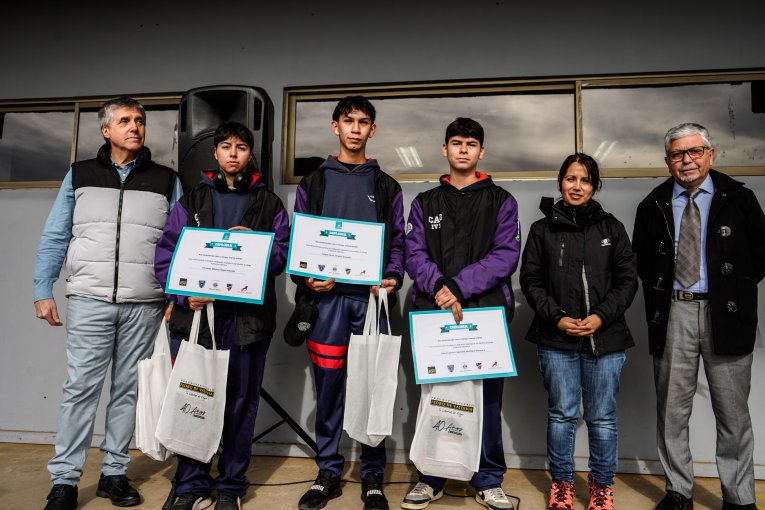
<point>231,197</point>
<point>353,187</point>
<point>462,245</point>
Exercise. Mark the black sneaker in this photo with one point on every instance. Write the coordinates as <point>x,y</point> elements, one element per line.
<point>326,487</point>
<point>227,501</point>
<point>372,492</point>
<point>118,489</point>
<point>62,497</point>
<point>189,501</point>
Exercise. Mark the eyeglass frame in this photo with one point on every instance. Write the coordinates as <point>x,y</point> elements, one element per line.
<point>682,153</point>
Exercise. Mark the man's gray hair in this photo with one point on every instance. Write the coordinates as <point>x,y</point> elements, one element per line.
<point>686,129</point>
<point>106,112</point>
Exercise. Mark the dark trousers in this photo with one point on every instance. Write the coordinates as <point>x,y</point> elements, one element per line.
<point>245,376</point>
<point>339,316</point>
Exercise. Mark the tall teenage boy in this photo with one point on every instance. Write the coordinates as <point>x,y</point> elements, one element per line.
<point>348,186</point>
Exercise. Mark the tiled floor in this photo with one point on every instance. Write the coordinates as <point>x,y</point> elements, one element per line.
<point>278,483</point>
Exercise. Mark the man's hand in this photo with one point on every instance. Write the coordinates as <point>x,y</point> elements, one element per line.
<point>246,229</point>
<point>389,284</point>
<point>197,303</point>
<point>445,299</point>
<point>168,311</point>
<point>457,312</point>
<point>320,285</point>
<point>46,309</point>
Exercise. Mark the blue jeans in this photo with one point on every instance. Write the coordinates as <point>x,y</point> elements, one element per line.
<point>571,377</point>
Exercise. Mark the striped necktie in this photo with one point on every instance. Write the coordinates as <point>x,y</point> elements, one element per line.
<point>688,263</point>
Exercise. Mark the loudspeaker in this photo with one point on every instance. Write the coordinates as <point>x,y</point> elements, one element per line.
<point>758,96</point>
<point>203,109</point>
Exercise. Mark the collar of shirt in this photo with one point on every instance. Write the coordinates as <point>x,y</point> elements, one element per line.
<point>124,171</point>
<point>706,187</point>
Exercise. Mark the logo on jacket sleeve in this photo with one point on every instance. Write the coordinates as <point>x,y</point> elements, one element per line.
<point>435,221</point>
<point>605,242</point>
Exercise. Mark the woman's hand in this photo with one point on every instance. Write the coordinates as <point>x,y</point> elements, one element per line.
<point>580,327</point>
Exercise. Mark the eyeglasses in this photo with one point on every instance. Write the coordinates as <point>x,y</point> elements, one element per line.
<point>693,152</point>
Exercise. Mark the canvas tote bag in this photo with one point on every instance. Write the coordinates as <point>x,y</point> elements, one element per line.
<point>153,376</point>
<point>372,377</point>
<point>447,437</point>
<point>191,422</point>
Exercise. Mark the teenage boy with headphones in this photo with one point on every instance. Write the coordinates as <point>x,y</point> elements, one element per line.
<point>233,197</point>
<point>353,187</point>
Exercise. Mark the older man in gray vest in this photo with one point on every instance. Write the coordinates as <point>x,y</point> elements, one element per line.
<point>700,244</point>
<point>105,222</point>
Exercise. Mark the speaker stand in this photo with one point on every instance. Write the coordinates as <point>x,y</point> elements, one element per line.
<point>286,418</point>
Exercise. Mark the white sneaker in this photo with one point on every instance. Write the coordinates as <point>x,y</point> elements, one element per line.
<point>191,502</point>
<point>494,499</point>
<point>420,497</point>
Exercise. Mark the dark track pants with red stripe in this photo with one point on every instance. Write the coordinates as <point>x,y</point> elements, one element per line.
<point>491,469</point>
<point>339,316</point>
<point>245,376</point>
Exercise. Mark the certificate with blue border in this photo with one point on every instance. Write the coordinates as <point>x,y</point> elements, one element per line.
<point>476,348</point>
<point>230,265</point>
<point>349,251</point>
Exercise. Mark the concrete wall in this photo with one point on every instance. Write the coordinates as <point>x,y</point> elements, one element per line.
<point>161,47</point>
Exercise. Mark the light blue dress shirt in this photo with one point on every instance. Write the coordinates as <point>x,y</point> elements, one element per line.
<point>57,232</point>
<point>703,202</point>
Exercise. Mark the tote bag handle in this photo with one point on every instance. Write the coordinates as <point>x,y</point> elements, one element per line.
<point>194,333</point>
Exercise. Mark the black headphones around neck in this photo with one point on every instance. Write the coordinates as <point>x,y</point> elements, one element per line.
<point>242,180</point>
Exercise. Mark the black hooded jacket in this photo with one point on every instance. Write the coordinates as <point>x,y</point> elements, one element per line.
<point>578,261</point>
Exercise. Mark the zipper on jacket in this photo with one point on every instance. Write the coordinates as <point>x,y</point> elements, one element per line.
<point>562,248</point>
<point>666,221</point>
<point>586,289</point>
<point>117,245</point>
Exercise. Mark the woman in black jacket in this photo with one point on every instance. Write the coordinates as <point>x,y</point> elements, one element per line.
<point>578,274</point>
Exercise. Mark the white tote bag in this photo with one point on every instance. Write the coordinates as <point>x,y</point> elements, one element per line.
<point>191,422</point>
<point>153,376</point>
<point>370,393</point>
<point>447,437</point>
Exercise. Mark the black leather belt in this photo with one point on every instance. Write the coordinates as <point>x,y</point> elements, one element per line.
<point>684,295</point>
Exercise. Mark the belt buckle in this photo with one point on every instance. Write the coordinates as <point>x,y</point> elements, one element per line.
<point>684,295</point>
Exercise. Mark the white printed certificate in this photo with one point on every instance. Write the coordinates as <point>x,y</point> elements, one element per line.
<point>222,264</point>
<point>348,251</point>
<point>476,348</point>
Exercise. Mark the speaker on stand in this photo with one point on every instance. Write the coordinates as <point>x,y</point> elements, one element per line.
<point>203,109</point>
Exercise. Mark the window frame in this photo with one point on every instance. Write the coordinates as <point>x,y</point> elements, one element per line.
<point>75,105</point>
<point>565,84</point>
